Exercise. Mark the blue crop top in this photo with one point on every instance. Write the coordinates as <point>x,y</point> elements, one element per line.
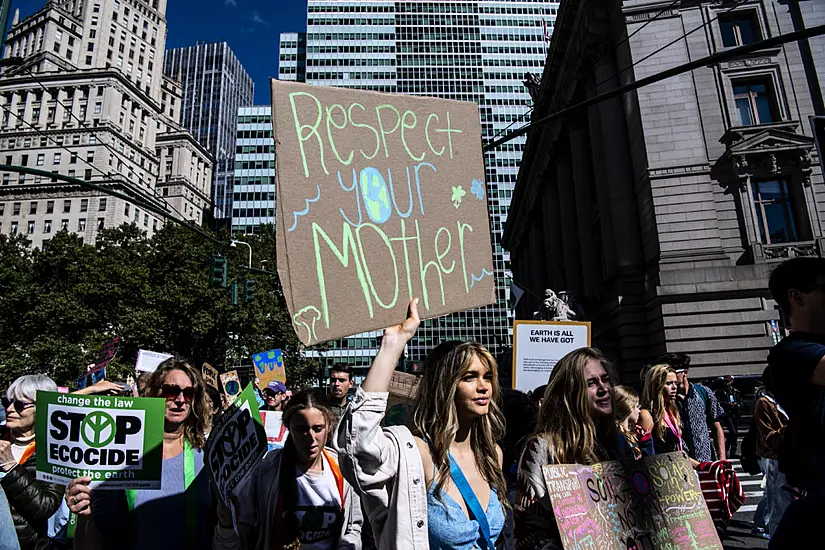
<point>451,529</point>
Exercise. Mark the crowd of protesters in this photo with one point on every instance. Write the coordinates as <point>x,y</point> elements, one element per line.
<point>466,469</point>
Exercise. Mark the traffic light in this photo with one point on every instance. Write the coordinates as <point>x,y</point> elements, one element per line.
<point>233,293</point>
<point>249,290</point>
<point>218,271</point>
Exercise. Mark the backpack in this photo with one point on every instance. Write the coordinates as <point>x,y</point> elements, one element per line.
<point>748,458</point>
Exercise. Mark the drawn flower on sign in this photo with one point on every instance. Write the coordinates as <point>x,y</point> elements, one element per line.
<point>477,189</point>
<point>458,194</point>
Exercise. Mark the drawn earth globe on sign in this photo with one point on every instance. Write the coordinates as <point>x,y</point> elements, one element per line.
<point>376,197</point>
<point>232,388</point>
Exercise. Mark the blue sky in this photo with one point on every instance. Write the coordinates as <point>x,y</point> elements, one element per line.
<point>251,27</point>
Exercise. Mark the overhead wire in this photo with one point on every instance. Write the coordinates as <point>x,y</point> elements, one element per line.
<point>664,75</point>
<point>519,132</point>
<point>135,200</point>
<point>111,148</point>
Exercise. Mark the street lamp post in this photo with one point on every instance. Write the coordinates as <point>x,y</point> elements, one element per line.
<point>235,243</point>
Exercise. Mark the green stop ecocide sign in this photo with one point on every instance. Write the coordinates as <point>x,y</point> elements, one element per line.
<point>116,441</point>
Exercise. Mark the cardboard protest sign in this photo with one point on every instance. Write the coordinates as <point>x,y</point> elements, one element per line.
<point>231,383</point>
<point>380,197</point>
<point>652,503</point>
<point>149,361</point>
<point>237,443</point>
<point>210,375</point>
<point>275,429</point>
<point>269,367</point>
<point>107,352</point>
<point>91,378</point>
<point>117,441</point>
<point>538,346</point>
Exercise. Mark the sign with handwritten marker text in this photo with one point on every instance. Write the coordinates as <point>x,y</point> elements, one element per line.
<point>648,504</point>
<point>380,197</point>
<point>269,367</point>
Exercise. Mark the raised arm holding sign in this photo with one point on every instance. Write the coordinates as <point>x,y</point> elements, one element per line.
<point>380,197</point>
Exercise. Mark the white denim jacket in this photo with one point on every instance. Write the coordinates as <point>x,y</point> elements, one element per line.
<point>384,467</point>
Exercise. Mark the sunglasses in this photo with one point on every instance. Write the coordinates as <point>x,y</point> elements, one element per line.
<point>171,392</point>
<point>19,406</point>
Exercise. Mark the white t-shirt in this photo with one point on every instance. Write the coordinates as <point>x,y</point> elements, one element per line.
<point>318,509</point>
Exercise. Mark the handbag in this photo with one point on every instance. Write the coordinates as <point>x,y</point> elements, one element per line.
<point>721,489</point>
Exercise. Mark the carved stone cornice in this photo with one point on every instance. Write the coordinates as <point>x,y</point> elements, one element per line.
<point>766,151</point>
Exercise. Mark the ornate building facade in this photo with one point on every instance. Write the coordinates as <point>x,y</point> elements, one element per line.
<point>89,99</point>
<point>664,210</point>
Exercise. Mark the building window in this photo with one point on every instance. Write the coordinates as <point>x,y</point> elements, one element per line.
<point>67,206</point>
<point>755,102</point>
<point>774,212</point>
<point>31,227</point>
<point>32,208</point>
<point>64,225</point>
<point>14,228</point>
<point>47,226</point>
<point>41,158</point>
<point>84,205</point>
<point>81,225</point>
<point>73,158</point>
<point>739,28</point>
<point>16,209</point>
<point>49,207</point>
<point>98,107</point>
<point>57,158</point>
<point>101,223</point>
<point>126,209</point>
<point>102,206</point>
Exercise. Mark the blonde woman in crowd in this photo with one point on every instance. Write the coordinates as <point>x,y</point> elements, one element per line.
<point>438,485</point>
<point>576,425</point>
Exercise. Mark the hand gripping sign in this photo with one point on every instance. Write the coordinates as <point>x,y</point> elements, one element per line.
<point>116,441</point>
<point>237,443</point>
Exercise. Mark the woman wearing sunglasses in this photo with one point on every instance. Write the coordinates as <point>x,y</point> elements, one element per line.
<point>32,502</point>
<point>182,509</point>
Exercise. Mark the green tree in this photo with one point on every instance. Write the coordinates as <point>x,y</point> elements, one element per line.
<point>68,299</point>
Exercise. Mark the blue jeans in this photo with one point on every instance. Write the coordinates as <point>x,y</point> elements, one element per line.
<point>776,498</point>
<point>8,535</point>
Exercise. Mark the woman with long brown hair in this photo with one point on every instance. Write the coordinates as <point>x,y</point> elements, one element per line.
<point>438,484</point>
<point>296,497</point>
<point>182,508</point>
<point>576,425</point>
<point>660,415</point>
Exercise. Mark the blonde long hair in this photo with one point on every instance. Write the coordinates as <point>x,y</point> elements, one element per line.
<point>653,398</point>
<point>435,417</point>
<point>199,420</point>
<point>624,403</point>
<point>566,422</point>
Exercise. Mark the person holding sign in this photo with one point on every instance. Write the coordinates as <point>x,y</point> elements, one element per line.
<point>296,497</point>
<point>32,502</point>
<point>182,509</point>
<point>439,485</point>
<point>576,425</point>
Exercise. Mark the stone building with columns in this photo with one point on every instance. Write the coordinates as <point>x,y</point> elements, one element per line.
<point>664,210</point>
<point>88,99</point>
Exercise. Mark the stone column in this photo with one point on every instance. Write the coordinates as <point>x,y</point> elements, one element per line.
<point>569,235</point>
<point>619,173</point>
<point>585,202</point>
<point>553,252</point>
<point>602,199</point>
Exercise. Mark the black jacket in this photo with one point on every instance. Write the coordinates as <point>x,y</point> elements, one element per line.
<point>32,503</point>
